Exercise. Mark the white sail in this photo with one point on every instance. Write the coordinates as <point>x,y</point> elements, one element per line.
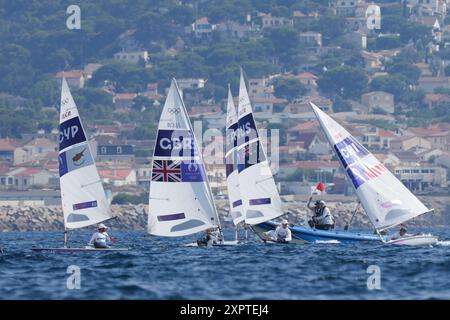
<point>83,198</point>
<point>180,201</point>
<point>261,201</point>
<point>385,199</point>
<point>231,163</point>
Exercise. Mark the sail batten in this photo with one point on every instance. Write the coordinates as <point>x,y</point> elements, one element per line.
<point>83,199</point>
<point>386,201</point>
<point>180,199</point>
<point>260,198</point>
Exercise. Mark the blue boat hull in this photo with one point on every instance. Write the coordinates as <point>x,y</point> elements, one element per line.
<point>311,235</point>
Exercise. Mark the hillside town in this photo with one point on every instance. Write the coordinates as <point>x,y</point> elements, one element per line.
<point>378,114</point>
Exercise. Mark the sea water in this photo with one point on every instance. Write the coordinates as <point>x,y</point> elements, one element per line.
<point>163,268</point>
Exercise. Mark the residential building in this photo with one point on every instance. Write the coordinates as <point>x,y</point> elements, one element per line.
<point>420,177</point>
<point>407,143</point>
<point>136,57</point>
<point>75,78</point>
<point>309,80</point>
<point>191,84</point>
<point>24,178</point>
<point>346,8</point>
<point>379,100</point>
<point>110,149</point>
<point>428,84</point>
<point>7,147</point>
<point>311,39</point>
<point>124,100</point>
<point>202,29</point>
<point>118,177</point>
<point>271,22</point>
<point>378,139</point>
<point>234,30</point>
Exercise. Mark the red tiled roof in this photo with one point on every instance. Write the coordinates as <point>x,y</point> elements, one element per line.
<point>125,96</point>
<point>8,144</point>
<point>27,172</point>
<point>115,174</point>
<point>307,75</point>
<point>305,126</point>
<point>385,133</point>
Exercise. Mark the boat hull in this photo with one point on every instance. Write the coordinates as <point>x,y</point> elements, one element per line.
<point>224,244</point>
<point>73,250</point>
<point>303,235</point>
<point>418,240</point>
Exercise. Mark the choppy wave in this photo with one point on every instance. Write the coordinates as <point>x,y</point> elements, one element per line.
<point>158,268</point>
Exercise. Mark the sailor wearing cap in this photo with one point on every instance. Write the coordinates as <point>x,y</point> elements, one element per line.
<point>401,233</point>
<point>100,237</point>
<point>281,234</point>
<point>322,219</point>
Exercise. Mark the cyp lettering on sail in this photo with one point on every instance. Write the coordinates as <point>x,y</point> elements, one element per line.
<point>70,133</point>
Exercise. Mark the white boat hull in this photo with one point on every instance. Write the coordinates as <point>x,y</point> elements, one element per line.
<point>85,249</point>
<point>418,240</point>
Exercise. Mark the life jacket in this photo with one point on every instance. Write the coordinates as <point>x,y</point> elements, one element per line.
<point>321,218</point>
<point>282,233</point>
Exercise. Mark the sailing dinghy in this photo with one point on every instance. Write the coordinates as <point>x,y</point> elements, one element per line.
<point>180,201</point>
<point>231,165</point>
<point>260,199</point>
<point>83,199</point>
<point>386,201</point>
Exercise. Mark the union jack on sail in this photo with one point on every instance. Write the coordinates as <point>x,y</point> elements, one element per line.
<point>166,171</point>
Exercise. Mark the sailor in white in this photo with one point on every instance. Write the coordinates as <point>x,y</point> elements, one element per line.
<point>322,219</point>
<point>281,234</point>
<point>212,236</point>
<point>400,234</point>
<point>99,239</point>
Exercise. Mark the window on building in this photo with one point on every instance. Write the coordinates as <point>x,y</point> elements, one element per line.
<point>119,150</point>
<point>10,180</point>
<point>25,182</point>
<point>103,150</point>
<point>3,181</point>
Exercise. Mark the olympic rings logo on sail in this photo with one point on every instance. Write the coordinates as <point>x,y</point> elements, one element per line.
<point>174,110</point>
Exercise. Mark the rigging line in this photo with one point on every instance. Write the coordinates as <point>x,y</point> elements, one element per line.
<point>89,184</point>
<point>260,181</point>
<point>165,199</point>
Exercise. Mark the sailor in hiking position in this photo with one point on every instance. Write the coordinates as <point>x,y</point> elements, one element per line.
<point>322,219</point>
<point>212,236</point>
<point>400,234</point>
<point>100,238</point>
<point>281,234</point>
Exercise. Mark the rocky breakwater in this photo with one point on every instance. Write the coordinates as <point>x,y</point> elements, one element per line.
<point>134,217</point>
<point>50,218</point>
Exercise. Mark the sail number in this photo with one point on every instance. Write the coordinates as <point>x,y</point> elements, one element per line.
<point>70,133</point>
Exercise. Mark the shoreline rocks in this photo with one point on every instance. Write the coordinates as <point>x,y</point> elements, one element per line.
<point>134,217</point>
